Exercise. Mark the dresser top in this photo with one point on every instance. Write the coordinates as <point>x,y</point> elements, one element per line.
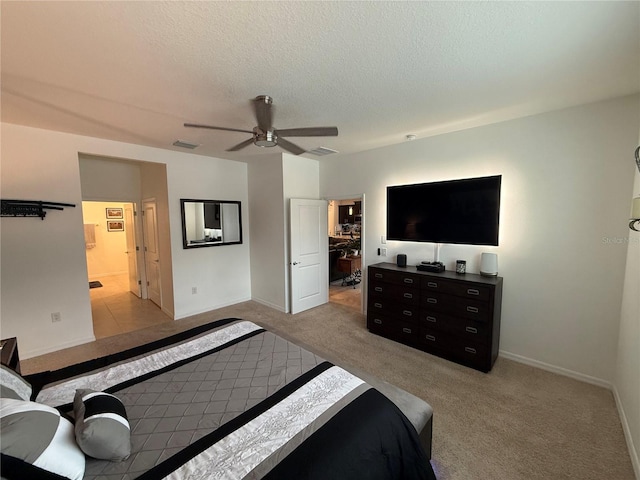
<point>447,274</point>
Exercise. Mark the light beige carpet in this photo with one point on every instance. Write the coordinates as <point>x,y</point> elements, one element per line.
<point>517,422</point>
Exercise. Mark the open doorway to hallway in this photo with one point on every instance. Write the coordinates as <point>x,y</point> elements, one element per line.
<point>118,303</point>
<point>345,251</point>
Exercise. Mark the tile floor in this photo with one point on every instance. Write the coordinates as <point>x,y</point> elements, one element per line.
<point>346,295</point>
<point>116,310</point>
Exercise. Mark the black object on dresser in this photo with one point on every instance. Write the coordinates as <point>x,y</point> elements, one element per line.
<point>453,316</point>
<point>9,353</point>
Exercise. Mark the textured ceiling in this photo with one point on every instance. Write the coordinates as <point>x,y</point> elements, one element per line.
<point>136,71</point>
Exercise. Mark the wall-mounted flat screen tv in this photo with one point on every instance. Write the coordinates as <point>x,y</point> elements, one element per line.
<point>465,211</point>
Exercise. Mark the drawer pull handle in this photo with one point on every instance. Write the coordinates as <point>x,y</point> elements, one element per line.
<point>408,280</point>
<point>378,275</point>
<point>473,291</point>
<point>406,330</point>
<point>432,284</point>
<point>432,300</point>
<point>430,337</point>
<point>408,295</point>
<point>378,289</point>
<point>472,309</point>
<point>408,313</point>
<point>471,330</point>
<point>431,319</point>
<point>378,321</point>
<point>470,350</point>
<point>377,305</point>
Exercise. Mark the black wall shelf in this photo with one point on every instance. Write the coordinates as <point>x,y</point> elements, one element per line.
<point>29,208</point>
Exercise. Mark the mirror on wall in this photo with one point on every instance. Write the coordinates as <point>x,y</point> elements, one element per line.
<point>210,223</point>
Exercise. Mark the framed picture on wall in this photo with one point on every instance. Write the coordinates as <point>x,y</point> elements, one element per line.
<point>115,226</point>
<point>114,213</point>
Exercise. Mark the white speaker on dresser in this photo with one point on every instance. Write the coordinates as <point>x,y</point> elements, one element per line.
<point>489,264</point>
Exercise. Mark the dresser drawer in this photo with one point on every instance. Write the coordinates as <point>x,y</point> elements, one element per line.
<point>461,348</point>
<point>402,331</point>
<point>462,327</point>
<point>402,312</point>
<point>466,290</point>
<point>394,292</point>
<point>456,306</point>
<point>389,276</point>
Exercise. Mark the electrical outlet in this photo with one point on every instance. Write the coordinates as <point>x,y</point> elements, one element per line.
<point>56,317</point>
<point>383,251</point>
<point>194,290</point>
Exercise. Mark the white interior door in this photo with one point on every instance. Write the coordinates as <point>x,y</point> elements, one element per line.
<point>151,253</point>
<point>309,260</point>
<point>132,253</point>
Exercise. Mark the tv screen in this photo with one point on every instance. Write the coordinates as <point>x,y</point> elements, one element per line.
<point>463,211</point>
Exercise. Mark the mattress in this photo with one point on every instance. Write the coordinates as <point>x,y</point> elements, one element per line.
<point>232,400</point>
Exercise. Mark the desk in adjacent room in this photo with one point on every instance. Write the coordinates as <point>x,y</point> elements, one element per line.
<point>350,266</point>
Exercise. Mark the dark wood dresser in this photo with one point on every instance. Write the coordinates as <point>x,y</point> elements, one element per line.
<point>454,316</point>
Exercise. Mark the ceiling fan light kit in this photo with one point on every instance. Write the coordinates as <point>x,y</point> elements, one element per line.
<point>264,135</point>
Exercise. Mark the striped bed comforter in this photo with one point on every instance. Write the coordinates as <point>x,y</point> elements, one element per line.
<point>230,400</point>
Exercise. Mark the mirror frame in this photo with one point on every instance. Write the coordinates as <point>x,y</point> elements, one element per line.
<point>185,241</point>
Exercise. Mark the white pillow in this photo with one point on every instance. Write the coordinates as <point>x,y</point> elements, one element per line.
<point>34,439</point>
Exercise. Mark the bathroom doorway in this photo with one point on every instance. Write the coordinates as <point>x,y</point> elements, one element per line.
<point>115,275</point>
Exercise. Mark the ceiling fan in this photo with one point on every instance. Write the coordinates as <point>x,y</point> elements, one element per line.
<point>265,135</point>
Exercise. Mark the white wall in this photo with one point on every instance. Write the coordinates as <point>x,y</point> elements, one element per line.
<point>566,183</point>
<point>301,179</point>
<point>267,243</point>
<point>627,379</point>
<point>109,179</point>
<point>273,181</point>
<point>44,267</point>
<point>221,274</point>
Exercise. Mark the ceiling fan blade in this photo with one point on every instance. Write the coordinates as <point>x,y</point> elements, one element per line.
<point>241,145</point>
<point>196,125</point>
<point>308,132</point>
<point>263,106</point>
<point>290,147</point>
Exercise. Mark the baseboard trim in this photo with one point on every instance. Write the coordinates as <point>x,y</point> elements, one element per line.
<point>61,346</point>
<point>112,274</point>
<point>270,305</point>
<point>555,369</point>
<point>212,307</point>
<point>633,452</point>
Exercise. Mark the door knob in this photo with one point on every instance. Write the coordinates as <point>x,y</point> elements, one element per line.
<point>295,263</point>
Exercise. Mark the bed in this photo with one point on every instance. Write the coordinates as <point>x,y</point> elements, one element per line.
<point>228,399</point>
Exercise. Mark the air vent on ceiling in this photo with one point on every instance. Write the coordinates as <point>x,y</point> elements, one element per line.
<point>190,146</point>
<point>322,151</point>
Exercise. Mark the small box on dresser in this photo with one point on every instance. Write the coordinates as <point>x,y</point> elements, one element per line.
<point>453,316</point>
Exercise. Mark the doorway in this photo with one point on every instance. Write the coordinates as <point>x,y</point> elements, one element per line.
<point>117,290</point>
<point>345,226</point>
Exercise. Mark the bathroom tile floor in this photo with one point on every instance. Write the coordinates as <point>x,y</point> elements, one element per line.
<point>116,310</point>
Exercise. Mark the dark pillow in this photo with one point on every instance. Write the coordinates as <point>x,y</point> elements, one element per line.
<point>37,442</point>
<point>102,427</point>
<point>12,385</point>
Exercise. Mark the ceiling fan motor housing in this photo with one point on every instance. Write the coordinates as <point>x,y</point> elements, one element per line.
<point>264,139</point>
